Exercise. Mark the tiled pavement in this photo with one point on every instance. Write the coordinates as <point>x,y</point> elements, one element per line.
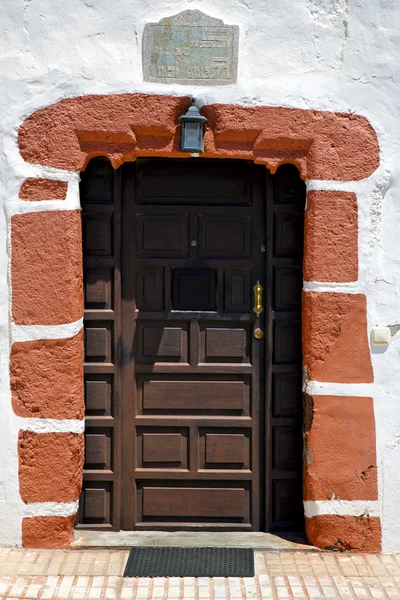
<point>87,575</point>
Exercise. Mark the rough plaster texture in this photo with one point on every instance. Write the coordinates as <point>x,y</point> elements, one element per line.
<point>340,449</point>
<point>47,532</point>
<point>46,268</point>
<point>38,188</point>
<point>49,466</point>
<point>47,378</point>
<point>324,145</point>
<point>339,532</point>
<point>331,237</point>
<point>318,54</point>
<point>335,344</point>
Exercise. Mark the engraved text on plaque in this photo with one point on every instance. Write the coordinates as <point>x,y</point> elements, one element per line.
<point>190,47</point>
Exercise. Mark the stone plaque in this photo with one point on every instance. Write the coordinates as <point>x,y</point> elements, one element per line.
<point>190,48</point>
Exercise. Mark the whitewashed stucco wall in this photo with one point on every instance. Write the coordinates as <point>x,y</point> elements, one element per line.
<point>340,55</point>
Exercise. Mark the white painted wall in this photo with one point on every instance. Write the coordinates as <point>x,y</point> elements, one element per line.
<point>320,54</point>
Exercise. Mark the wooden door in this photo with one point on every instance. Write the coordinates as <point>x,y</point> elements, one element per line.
<point>286,194</point>
<point>194,234</point>
<point>191,421</point>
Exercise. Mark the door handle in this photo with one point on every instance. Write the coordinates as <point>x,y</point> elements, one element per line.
<point>258,290</point>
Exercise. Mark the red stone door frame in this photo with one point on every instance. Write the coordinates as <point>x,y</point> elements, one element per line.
<point>46,269</point>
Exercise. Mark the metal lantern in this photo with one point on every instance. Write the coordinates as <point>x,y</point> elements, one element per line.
<point>192,130</point>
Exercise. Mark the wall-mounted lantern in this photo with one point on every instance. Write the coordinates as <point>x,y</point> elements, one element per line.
<point>192,130</point>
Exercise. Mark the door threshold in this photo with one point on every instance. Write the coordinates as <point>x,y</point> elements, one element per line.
<point>267,542</point>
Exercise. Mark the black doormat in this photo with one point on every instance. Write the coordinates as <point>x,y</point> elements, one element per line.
<point>190,562</point>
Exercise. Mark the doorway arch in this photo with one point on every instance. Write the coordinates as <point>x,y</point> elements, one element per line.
<point>324,145</point>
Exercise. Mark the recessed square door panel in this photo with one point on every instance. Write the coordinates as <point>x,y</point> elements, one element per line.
<point>95,504</point>
<point>287,505</point>
<point>224,237</point>
<point>150,288</point>
<point>174,502</point>
<point>201,395</point>
<point>98,395</point>
<point>97,185</point>
<point>224,343</point>
<point>287,342</point>
<point>98,341</point>
<point>288,234</point>
<point>288,187</point>
<point>194,289</point>
<point>162,448</point>
<point>157,342</point>
<point>288,283</point>
<point>288,448</point>
<point>237,290</point>
<point>97,235</point>
<point>163,235</point>
<point>224,449</point>
<point>193,182</point>
<point>98,288</point>
<point>286,394</point>
<point>98,448</point>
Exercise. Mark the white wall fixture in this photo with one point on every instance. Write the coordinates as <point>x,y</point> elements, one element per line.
<point>380,336</point>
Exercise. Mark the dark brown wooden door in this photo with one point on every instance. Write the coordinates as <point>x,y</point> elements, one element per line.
<point>286,194</point>
<point>194,235</point>
<point>192,422</point>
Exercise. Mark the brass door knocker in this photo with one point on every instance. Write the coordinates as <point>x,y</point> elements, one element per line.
<point>258,290</point>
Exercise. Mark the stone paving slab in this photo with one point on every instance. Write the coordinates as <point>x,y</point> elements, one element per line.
<point>258,587</point>
<point>89,575</point>
<point>258,540</point>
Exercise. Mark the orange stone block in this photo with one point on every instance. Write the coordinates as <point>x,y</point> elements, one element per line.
<point>50,466</point>
<point>46,268</point>
<point>47,378</point>
<point>340,451</point>
<point>37,188</point>
<point>323,144</point>
<point>335,342</point>
<point>331,237</point>
<point>334,532</point>
<point>47,532</point>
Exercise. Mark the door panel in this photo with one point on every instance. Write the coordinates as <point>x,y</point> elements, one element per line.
<point>223,450</point>
<point>166,235</point>
<point>100,198</point>
<point>190,182</point>
<point>220,344</point>
<point>285,214</point>
<point>177,503</point>
<point>194,289</point>
<point>171,396</point>
<point>191,422</point>
<point>197,365</point>
<point>150,288</point>
<point>223,237</point>
<point>158,342</point>
<point>237,295</point>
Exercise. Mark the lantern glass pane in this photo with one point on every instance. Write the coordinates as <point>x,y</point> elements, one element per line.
<point>192,134</point>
